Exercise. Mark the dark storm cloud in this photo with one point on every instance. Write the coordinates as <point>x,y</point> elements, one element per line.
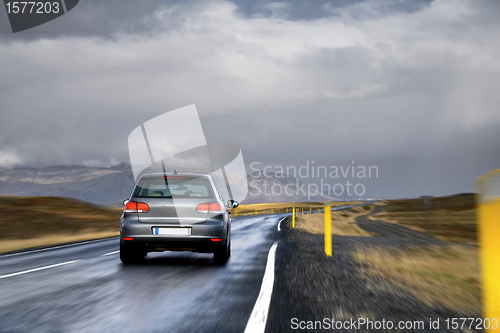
<point>307,10</point>
<point>410,90</point>
<point>111,17</point>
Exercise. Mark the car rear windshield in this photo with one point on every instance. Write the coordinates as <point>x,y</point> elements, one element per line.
<point>174,187</point>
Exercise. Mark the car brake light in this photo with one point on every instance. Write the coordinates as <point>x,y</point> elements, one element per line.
<point>142,207</point>
<point>216,239</point>
<point>136,207</point>
<point>211,207</point>
<point>215,207</point>
<point>128,238</point>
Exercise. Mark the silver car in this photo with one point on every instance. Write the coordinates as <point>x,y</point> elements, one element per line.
<point>176,212</point>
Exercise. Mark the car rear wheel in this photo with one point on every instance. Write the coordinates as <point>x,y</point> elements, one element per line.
<point>129,255</point>
<point>222,255</point>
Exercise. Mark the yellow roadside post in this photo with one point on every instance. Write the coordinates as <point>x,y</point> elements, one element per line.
<point>328,228</point>
<point>302,211</point>
<point>487,190</point>
<point>256,212</point>
<point>293,217</point>
<point>310,210</point>
<point>287,210</point>
<point>272,211</point>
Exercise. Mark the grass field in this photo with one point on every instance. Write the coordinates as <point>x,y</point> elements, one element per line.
<point>40,221</point>
<point>342,222</point>
<point>447,275</point>
<point>451,218</point>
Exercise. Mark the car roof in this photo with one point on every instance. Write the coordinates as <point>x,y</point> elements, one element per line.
<point>197,175</point>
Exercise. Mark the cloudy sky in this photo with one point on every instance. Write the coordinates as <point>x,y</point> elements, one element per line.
<point>408,86</point>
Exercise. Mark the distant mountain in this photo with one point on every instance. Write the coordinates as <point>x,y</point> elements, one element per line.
<point>103,186</point>
<point>109,186</point>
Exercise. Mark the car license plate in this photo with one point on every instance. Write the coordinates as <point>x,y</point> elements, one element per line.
<point>172,231</point>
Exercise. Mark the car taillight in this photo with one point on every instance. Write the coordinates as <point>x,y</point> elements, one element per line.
<point>136,207</point>
<point>210,207</point>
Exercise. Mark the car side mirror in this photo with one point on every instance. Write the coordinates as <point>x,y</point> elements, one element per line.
<point>125,202</point>
<point>232,204</point>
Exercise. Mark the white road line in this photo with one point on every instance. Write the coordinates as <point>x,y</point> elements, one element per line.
<point>57,247</point>
<point>110,253</point>
<point>38,269</point>
<point>279,223</point>
<point>257,321</point>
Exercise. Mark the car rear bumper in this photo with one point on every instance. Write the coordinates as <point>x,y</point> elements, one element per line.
<point>151,244</point>
<point>206,237</point>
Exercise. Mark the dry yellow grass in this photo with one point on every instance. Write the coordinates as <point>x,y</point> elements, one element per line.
<point>451,218</point>
<point>19,244</point>
<point>447,275</point>
<point>343,222</point>
<point>40,221</point>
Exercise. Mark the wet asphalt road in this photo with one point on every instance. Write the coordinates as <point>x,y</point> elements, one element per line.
<point>167,292</point>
